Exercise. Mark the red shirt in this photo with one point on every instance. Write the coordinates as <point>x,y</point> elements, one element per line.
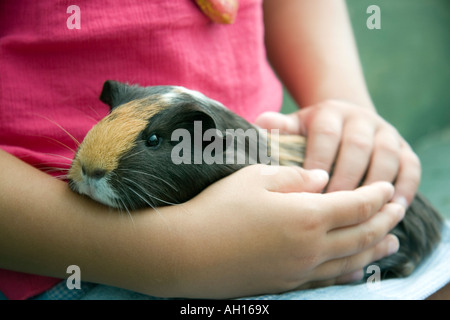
<point>51,76</point>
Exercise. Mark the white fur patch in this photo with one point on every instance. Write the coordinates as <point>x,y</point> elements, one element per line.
<point>98,189</point>
<point>170,96</point>
<point>196,94</point>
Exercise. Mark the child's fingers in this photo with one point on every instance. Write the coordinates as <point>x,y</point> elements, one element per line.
<point>294,179</point>
<point>324,130</point>
<point>348,208</point>
<point>353,157</point>
<point>408,177</point>
<point>350,268</point>
<point>385,160</point>
<point>287,124</point>
<point>352,240</point>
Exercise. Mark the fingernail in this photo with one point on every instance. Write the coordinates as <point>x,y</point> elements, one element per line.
<point>319,174</point>
<point>401,201</point>
<point>351,277</point>
<point>357,275</point>
<point>401,212</point>
<point>393,245</point>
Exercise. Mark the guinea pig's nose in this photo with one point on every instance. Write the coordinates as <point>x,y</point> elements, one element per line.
<point>95,174</point>
<point>98,173</point>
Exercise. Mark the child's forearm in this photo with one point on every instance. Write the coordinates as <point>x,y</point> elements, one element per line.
<point>311,46</point>
<point>45,227</point>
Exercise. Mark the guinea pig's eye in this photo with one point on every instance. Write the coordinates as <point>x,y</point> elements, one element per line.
<point>153,141</point>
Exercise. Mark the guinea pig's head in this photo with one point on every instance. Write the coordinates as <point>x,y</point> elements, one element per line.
<point>125,160</point>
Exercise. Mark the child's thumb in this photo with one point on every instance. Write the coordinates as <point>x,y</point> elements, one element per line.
<point>296,179</point>
<point>288,124</point>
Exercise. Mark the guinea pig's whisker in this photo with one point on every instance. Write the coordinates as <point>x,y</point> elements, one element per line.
<point>121,202</point>
<point>61,177</point>
<point>52,169</point>
<point>122,205</point>
<point>58,163</point>
<point>96,114</point>
<point>151,205</point>
<point>60,156</point>
<point>65,146</point>
<point>140,196</point>
<point>151,175</point>
<point>147,193</point>
<point>132,155</point>
<point>59,126</point>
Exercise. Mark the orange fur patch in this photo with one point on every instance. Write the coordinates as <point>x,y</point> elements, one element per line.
<point>112,137</point>
<point>291,149</point>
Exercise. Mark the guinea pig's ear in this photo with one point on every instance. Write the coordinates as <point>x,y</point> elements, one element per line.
<point>188,115</point>
<point>116,93</point>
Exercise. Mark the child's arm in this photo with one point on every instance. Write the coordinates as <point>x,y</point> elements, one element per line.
<point>246,234</point>
<point>311,46</point>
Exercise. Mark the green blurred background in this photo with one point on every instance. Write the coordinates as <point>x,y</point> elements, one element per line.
<point>407,69</point>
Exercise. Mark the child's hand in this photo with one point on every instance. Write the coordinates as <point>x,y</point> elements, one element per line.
<point>271,233</point>
<point>360,143</point>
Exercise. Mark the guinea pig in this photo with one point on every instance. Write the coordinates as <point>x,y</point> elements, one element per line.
<point>162,145</point>
<point>133,158</point>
